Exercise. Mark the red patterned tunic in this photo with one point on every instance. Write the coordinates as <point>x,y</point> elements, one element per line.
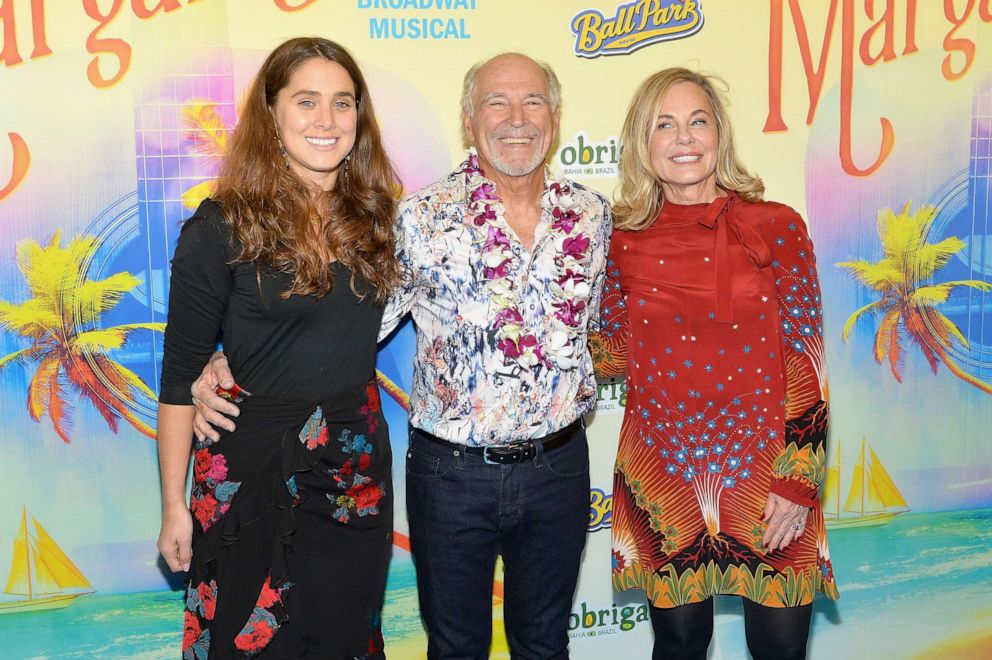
<point>714,313</point>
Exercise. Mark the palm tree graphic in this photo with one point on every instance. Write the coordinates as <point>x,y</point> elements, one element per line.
<point>908,305</point>
<point>61,321</point>
<point>207,133</point>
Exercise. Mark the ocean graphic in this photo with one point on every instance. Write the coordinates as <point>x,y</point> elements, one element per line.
<point>892,577</point>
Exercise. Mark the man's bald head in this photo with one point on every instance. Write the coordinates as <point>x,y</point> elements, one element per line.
<point>512,60</point>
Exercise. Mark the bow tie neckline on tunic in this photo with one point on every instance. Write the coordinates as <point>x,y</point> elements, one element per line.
<point>721,215</point>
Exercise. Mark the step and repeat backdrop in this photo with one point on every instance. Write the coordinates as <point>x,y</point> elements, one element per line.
<point>873,119</point>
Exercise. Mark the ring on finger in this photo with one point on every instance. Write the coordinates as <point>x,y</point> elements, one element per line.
<point>797,526</point>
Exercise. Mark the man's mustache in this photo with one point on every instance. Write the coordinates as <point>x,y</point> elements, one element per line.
<point>525,131</point>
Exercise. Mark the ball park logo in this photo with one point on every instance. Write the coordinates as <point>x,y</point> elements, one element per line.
<point>600,510</point>
<point>635,25</point>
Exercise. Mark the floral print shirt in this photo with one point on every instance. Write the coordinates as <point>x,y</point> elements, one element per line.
<point>502,352</point>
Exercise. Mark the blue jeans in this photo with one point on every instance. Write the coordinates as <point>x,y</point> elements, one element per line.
<point>463,512</point>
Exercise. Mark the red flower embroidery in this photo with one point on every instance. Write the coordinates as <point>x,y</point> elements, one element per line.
<point>364,461</point>
<point>218,468</point>
<point>191,629</point>
<point>203,510</point>
<point>314,434</point>
<point>208,596</point>
<point>202,462</point>
<point>373,405</point>
<point>256,637</point>
<point>366,496</point>
<point>268,596</point>
<point>372,394</point>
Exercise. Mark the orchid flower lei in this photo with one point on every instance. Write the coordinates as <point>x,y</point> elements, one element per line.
<point>570,283</point>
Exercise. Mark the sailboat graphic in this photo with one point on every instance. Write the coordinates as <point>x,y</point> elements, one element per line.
<point>41,571</point>
<point>873,498</point>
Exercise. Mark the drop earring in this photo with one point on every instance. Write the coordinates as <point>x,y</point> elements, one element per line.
<point>282,152</point>
<point>347,163</point>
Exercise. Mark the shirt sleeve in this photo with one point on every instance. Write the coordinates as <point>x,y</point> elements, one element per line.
<point>605,228</point>
<point>199,290</point>
<point>799,469</point>
<point>608,338</point>
<point>409,245</point>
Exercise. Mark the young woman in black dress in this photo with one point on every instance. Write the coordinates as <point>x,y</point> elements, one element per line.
<point>288,532</point>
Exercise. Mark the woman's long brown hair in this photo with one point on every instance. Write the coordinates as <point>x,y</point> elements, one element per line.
<point>276,217</point>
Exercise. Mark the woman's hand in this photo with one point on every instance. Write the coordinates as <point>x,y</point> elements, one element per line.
<point>176,537</point>
<point>786,522</point>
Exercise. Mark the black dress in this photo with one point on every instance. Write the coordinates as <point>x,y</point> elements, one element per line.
<point>293,510</point>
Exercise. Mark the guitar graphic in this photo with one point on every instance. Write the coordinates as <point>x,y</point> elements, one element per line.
<point>963,210</point>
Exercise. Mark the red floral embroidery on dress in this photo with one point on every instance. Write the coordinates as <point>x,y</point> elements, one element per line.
<point>372,407</point>
<point>366,496</point>
<point>255,638</point>
<point>202,462</point>
<point>204,509</point>
<point>262,624</point>
<point>201,604</point>
<point>268,596</point>
<point>374,618</point>
<point>360,494</point>
<point>208,596</point>
<point>191,630</point>
<point>211,494</point>
<point>314,433</point>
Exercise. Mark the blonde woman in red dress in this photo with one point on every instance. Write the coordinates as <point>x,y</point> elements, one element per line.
<point>712,309</point>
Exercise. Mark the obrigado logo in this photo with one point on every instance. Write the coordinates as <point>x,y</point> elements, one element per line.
<point>586,622</point>
<point>582,157</point>
<point>635,25</point>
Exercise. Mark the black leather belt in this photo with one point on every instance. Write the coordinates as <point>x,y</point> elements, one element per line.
<point>513,452</point>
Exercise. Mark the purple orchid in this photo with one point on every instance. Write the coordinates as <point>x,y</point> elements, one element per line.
<point>498,272</point>
<point>494,239</point>
<point>575,246</point>
<point>570,275</point>
<point>507,315</point>
<point>568,311</point>
<point>564,220</point>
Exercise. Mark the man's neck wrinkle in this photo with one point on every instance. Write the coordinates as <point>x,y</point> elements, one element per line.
<point>520,191</point>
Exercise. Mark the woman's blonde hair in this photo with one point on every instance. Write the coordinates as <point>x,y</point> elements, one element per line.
<point>640,195</point>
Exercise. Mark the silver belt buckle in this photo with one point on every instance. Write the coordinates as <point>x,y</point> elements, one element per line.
<point>485,456</point>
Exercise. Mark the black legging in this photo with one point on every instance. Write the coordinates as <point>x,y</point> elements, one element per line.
<point>773,633</point>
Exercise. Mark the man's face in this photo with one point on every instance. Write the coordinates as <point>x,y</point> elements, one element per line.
<point>513,125</point>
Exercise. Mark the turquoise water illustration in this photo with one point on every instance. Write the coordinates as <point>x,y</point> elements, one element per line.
<point>148,625</point>
<point>927,576</point>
